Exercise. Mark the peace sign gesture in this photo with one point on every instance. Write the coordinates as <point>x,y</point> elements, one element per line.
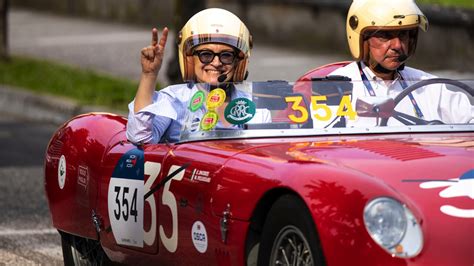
<point>152,56</point>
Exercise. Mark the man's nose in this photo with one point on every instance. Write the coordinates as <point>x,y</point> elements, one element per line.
<point>396,43</point>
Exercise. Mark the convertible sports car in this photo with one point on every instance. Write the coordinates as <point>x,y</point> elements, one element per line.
<point>332,180</point>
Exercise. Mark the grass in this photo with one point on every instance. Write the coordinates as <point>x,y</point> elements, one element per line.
<point>84,86</point>
<point>453,3</point>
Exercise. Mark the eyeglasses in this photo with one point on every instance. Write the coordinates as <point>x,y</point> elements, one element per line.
<point>206,56</point>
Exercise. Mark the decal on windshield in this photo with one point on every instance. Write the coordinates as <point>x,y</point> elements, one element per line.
<point>209,120</point>
<point>239,111</point>
<point>319,109</point>
<point>196,101</point>
<point>194,126</point>
<point>215,98</point>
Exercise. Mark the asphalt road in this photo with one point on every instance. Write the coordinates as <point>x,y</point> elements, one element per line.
<point>26,233</point>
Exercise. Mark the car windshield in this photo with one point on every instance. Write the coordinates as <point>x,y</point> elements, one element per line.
<point>327,106</point>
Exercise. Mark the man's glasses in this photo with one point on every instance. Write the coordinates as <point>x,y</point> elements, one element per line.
<point>206,56</point>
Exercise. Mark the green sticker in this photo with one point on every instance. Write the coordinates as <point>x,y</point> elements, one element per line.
<point>209,120</point>
<point>239,111</point>
<point>196,101</point>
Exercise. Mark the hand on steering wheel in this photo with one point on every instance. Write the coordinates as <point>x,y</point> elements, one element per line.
<point>411,120</point>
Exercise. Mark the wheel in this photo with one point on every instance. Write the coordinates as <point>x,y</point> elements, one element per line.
<point>81,251</point>
<point>289,235</point>
<point>410,120</point>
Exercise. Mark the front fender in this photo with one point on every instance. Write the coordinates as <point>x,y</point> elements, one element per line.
<point>72,169</point>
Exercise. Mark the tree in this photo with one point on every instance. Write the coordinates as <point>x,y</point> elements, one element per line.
<point>3,29</point>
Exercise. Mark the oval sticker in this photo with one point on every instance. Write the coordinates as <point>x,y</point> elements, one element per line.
<point>62,172</point>
<point>209,120</point>
<point>196,101</point>
<point>215,98</point>
<point>199,236</point>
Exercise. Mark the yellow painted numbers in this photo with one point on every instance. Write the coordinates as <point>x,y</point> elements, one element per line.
<point>320,107</point>
<point>321,110</point>
<point>296,106</point>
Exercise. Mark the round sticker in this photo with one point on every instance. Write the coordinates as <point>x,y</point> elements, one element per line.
<point>62,172</point>
<point>215,98</point>
<point>199,236</point>
<point>239,111</point>
<point>209,120</point>
<point>196,101</point>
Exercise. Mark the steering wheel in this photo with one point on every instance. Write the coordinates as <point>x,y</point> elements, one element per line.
<point>411,120</point>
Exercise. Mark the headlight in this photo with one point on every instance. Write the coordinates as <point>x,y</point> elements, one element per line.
<point>393,226</point>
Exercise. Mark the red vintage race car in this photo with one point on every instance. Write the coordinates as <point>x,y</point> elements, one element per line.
<point>313,187</point>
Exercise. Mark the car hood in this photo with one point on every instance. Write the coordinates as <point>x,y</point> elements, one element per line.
<point>432,174</point>
<point>428,170</point>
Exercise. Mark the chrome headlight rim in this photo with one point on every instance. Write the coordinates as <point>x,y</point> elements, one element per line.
<point>410,242</point>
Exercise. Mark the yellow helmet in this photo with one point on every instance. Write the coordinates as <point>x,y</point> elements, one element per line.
<point>214,25</point>
<point>374,15</point>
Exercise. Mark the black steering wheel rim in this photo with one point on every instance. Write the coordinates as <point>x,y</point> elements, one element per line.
<point>427,82</point>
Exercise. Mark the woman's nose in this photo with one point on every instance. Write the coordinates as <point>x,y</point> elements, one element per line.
<point>216,61</point>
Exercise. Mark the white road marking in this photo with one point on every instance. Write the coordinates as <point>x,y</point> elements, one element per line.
<point>14,232</point>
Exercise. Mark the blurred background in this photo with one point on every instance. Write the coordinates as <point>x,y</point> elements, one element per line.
<point>312,27</point>
<point>60,58</point>
<point>104,37</point>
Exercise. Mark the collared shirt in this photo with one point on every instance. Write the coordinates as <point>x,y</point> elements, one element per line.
<point>435,101</point>
<point>164,118</point>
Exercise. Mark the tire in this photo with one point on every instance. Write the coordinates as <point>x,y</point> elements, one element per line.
<point>82,252</point>
<point>289,222</point>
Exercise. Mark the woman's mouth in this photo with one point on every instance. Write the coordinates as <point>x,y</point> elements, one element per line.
<point>213,72</point>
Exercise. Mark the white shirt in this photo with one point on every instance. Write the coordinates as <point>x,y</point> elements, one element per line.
<point>164,118</point>
<point>435,101</point>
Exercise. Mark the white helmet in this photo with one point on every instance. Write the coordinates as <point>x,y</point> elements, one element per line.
<point>373,15</point>
<point>214,25</point>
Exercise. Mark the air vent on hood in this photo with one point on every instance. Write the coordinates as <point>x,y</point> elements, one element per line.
<point>396,150</point>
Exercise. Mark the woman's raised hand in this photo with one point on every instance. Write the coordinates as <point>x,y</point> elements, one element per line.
<point>152,56</point>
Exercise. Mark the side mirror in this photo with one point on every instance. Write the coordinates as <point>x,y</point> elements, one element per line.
<point>380,107</point>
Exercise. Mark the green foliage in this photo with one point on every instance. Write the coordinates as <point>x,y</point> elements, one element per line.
<point>453,3</point>
<point>85,86</point>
